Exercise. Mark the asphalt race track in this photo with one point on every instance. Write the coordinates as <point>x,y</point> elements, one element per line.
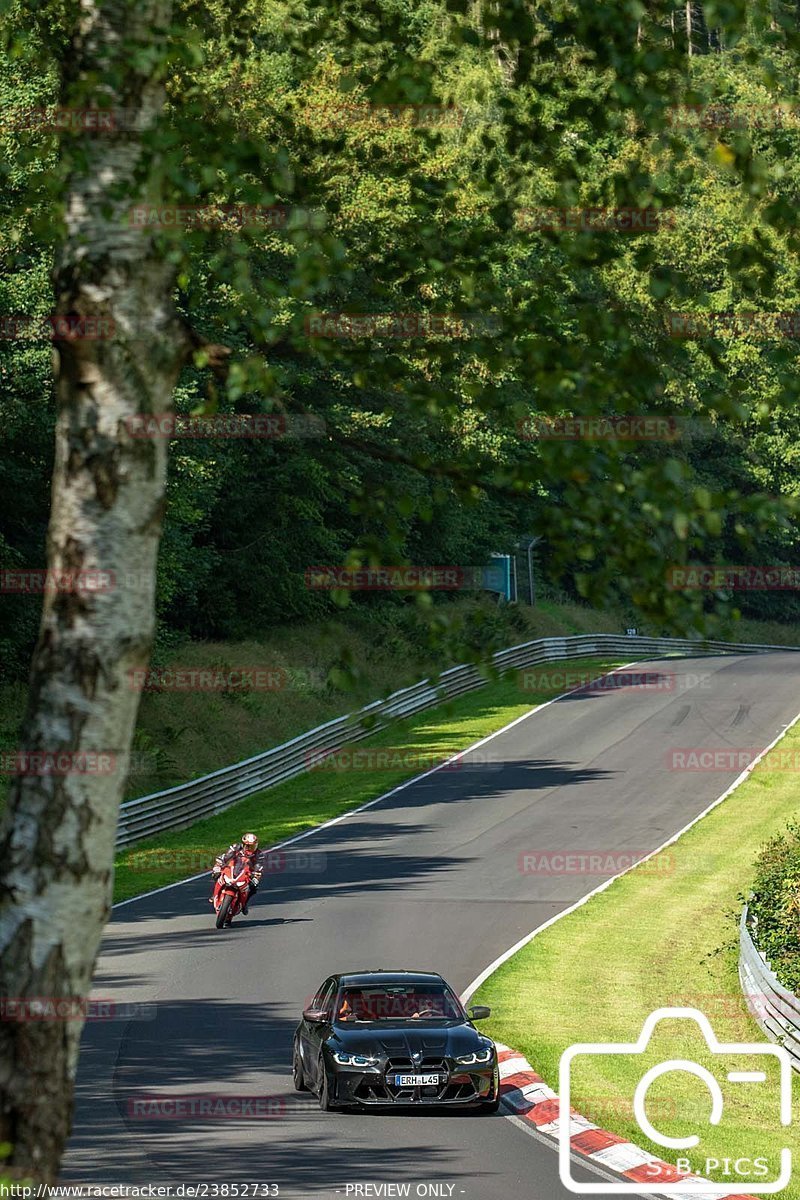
<point>428,879</point>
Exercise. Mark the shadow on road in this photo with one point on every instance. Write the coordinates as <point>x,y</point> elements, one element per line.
<point>354,856</point>
<point>223,1050</point>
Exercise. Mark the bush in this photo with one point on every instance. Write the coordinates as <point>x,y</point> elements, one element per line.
<point>776,904</point>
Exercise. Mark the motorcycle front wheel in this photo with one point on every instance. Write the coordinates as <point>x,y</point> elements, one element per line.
<point>222,911</point>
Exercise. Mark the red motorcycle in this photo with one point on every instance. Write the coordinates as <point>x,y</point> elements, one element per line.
<point>231,890</point>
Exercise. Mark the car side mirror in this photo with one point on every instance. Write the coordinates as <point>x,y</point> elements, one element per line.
<point>479,1012</point>
<point>315,1016</point>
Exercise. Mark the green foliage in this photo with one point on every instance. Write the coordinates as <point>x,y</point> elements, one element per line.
<point>776,905</point>
<point>421,460</point>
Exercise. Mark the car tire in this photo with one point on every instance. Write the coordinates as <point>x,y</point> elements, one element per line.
<point>490,1106</point>
<point>324,1092</point>
<point>298,1077</point>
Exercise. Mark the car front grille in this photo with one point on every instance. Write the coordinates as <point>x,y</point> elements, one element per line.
<point>378,1090</point>
<point>426,1066</point>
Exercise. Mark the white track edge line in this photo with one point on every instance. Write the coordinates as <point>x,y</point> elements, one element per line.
<point>484,975</point>
<point>498,962</point>
<point>579,1159</point>
<point>588,1162</point>
<point>400,787</point>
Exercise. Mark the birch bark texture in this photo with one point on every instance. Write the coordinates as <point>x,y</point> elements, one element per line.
<point>58,831</point>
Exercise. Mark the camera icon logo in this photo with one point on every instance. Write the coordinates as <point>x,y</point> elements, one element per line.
<point>758,1051</point>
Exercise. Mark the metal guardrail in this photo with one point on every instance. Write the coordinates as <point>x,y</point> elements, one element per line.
<point>180,806</point>
<point>773,1006</point>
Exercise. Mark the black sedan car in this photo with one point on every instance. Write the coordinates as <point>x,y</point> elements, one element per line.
<point>394,1038</point>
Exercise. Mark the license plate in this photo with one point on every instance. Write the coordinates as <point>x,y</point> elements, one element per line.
<point>416,1080</point>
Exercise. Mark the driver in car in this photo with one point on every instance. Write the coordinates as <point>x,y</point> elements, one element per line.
<point>360,1009</point>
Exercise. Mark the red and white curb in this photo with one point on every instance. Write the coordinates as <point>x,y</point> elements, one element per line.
<point>527,1095</point>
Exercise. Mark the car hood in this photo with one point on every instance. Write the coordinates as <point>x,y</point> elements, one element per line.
<point>408,1038</point>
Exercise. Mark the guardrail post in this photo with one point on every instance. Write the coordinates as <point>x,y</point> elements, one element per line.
<point>772,1005</point>
<point>180,806</point>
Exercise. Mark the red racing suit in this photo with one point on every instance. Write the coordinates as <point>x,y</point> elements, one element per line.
<point>256,870</point>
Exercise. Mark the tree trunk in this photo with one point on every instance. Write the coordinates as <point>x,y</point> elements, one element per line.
<point>58,835</point>
<point>699,38</point>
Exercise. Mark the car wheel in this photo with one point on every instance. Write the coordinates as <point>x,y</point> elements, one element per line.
<point>490,1106</point>
<point>324,1091</point>
<point>298,1078</point>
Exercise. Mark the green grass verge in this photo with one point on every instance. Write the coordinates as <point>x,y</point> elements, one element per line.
<point>331,668</point>
<point>660,936</point>
<point>316,796</point>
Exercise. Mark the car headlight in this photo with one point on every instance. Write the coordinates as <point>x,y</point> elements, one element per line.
<point>478,1056</point>
<point>354,1060</point>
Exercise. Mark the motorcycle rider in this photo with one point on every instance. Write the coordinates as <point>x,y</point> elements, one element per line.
<point>248,847</point>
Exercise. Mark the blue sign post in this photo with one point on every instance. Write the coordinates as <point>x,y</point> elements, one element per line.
<point>497,576</point>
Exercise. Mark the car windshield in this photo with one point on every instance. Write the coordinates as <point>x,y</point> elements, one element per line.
<point>398,1003</point>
